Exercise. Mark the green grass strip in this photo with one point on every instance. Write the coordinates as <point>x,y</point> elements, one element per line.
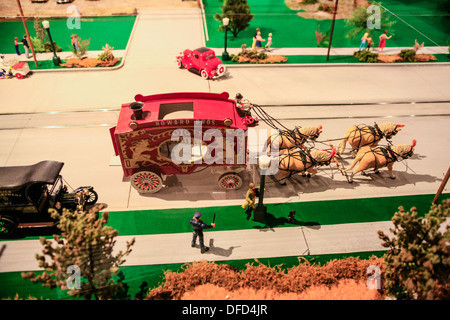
<point>425,21</point>
<point>153,275</point>
<point>139,222</point>
<point>114,31</point>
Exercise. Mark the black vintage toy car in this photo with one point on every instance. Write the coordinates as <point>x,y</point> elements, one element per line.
<point>28,192</point>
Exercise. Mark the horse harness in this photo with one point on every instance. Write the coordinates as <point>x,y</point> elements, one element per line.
<point>389,154</point>
<point>375,131</point>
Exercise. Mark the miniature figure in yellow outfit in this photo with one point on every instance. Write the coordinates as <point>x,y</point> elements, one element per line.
<point>250,199</point>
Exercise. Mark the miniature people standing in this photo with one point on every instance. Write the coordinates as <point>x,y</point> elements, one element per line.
<point>363,41</point>
<point>75,42</point>
<point>291,216</point>
<point>369,43</point>
<point>198,226</point>
<point>269,42</point>
<point>16,45</point>
<point>259,39</point>
<point>254,39</point>
<point>383,38</point>
<point>250,199</point>
<point>25,46</point>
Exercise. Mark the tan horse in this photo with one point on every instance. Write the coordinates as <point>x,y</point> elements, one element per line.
<point>379,157</point>
<point>288,139</point>
<point>300,161</point>
<point>363,135</point>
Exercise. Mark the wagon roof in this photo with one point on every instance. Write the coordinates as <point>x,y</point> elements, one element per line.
<point>43,172</point>
<point>204,106</point>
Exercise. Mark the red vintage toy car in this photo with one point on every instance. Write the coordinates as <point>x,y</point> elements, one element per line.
<point>202,61</point>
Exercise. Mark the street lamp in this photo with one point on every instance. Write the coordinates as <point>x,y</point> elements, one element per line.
<point>225,55</point>
<point>261,210</point>
<point>56,59</point>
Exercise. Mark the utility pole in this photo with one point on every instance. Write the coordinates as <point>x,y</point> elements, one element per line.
<point>332,28</point>
<point>26,31</point>
<point>441,187</point>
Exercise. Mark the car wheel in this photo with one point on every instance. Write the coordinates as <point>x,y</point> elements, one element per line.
<point>19,76</point>
<point>221,69</point>
<point>179,64</point>
<point>92,198</point>
<point>204,74</point>
<point>146,182</point>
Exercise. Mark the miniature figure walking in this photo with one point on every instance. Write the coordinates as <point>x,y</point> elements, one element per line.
<point>269,42</point>
<point>250,199</point>
<point>363,41</point>
<point>291,216</point>
<point>383,38</point>
<point>198,226</point>
<point>16,45</point>
<point>25,46</point>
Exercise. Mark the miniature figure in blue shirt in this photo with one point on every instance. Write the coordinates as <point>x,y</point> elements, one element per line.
<point>198,226</point>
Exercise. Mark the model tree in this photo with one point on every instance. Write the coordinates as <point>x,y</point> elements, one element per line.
<point>238,11</point>
<point>360,17</point>
<point>418,259</point>
<point>82,258</point>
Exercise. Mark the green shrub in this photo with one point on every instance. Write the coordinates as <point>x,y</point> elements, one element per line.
<point>408,55</point>
<point>262,55</point>
<point>48,47</point>
<point>366,56</point>
<point>38,45</point>
<point>309,1</point>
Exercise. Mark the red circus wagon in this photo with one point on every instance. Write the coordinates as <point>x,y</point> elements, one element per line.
<point>181,133</point>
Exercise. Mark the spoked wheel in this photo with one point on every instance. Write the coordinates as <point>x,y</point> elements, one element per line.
<point>204,74</point>
<point>230,181</point>
<point>146,182</point>
<point>91,198</point>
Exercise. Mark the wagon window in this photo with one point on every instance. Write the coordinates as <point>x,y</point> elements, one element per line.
<point>176,111</point>
<point>209,56</point>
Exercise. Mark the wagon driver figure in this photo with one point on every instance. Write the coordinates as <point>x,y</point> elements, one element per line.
<point>198,226</point>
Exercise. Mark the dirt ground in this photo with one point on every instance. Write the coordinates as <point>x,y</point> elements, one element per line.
<point>310,11</point>
<point>9,8</point>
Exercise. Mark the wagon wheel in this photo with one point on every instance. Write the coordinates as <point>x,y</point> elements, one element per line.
<point>230,181</point>
<point>146,182</point>
<point>179,64</point>
<point>19,76</point>
<point>7,226</point>
<point>204,74</point>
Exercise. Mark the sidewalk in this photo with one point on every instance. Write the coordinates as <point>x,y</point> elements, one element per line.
<point>224,245</point>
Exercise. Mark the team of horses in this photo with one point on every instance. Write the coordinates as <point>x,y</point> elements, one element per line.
<point>289,146</point>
